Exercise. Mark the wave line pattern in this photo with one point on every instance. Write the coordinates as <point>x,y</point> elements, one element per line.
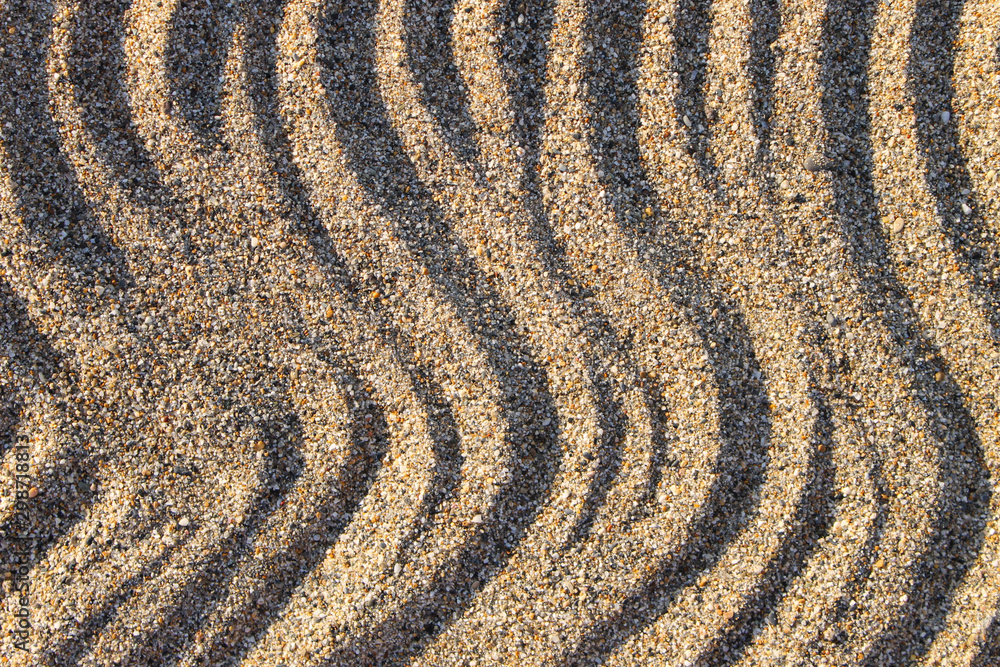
<point>529,332</point>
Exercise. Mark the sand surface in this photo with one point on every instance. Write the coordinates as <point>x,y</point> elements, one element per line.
<point>500,332</point>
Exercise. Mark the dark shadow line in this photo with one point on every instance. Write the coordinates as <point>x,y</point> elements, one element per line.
<point>70,650</point>
<point>11,408</point>
<point>370,442</point>
<point>613,104</point>
<point>524,57</point>
<point>42,369</point>
<point>448,457</point>
<point>765,27</point>
<point>46,193</point>
<point>812,521</point>
<point>860,576</point>
<point>374,149</point>
<point>27,349</point>
<point>930,73</point>
<point>97,70</point>
<point>261,46</point>
<point>273,134</point>
<point>664,442</point>
<point>431,57</point>
<point>611,421</point>
<point>49,203</point>
<point>362,125</point>
<point>524,60</point>
<point>198,41</point>
<point>162,642</point>
<point>691,32</point>
<point>846,47</point>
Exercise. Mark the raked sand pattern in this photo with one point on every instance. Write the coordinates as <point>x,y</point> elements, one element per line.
<point>500,332</point>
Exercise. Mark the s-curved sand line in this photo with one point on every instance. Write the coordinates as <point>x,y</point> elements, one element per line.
<point>527,332</point>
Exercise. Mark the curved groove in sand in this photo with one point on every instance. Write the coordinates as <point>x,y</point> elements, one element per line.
<point>534,339</point>
<point>945,295</point>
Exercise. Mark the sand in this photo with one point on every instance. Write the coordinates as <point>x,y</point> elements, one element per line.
<point>388,332</point>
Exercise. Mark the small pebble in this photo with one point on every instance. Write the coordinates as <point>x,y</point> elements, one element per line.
<point>814,163</point>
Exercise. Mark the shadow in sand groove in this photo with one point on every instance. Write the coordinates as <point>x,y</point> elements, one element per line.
<point>526,26</point>
<point>39,373</point>
<point>812,520</point>
<point>692,28</point>
<point>301,554</point>
<point>200,34</point>
<point>70,649</point>
<point>931,70</point>
<point>58,234</point>
<point>263,22</point>
<point>161,641</point>
<point>11,407</point>
<point>765,17</point>
<point>97,69</point>
<point>209,597</point>
<point>932,66</point>
<point>431,58</point>
<point>57,225</point>
<point>524,57</point>
<point>964,485</point>
<point>373,150</point>
<point>615,142</point>
<point>989,654</point>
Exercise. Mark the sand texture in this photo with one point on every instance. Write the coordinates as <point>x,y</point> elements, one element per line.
<point>500,332</point>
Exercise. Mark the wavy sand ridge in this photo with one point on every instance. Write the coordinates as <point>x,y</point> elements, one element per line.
<point>564,332</point>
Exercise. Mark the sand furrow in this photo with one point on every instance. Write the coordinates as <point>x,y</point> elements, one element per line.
<point>647,343</point>
<point>944,296</point>
<point>750,149</point>
<point>459,368</point>
<point>505,253</point>
<point>209,537</point>
<point>418,332</point>
<point>974,105</point>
